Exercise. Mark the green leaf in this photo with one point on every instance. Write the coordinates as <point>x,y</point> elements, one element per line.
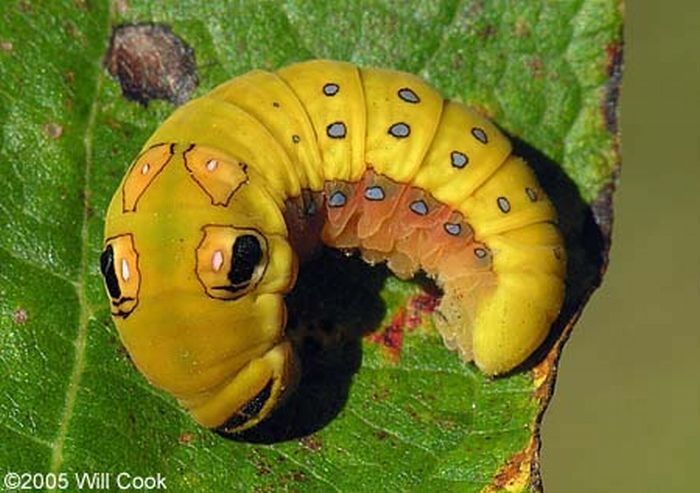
<point>392,411</point>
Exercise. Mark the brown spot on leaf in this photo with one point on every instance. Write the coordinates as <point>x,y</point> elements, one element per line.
<point>6,46</point>
<point>381,435</point>
<point>522,28</point>
<point>151,62</point>
<point>516,474</point>
<point>185,438</point>
<point>20,316</point>
<point>380,395</point>
<point>312,443</point>
<point>488,32</point>
<point>536,67</point>
<point>612,87</point>
<point>262,468</point>
<point>296,475</point>
<point>53,130</point>
<point>73,31</point>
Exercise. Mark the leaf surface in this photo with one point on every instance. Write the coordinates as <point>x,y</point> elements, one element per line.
<point>395,411</point>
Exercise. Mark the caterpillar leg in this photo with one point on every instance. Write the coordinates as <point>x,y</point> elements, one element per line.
<point>457,311</point>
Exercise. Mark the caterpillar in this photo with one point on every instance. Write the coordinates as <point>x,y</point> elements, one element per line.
<point>206,232</point>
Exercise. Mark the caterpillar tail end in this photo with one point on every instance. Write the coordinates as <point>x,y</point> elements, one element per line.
<point>498,326</point>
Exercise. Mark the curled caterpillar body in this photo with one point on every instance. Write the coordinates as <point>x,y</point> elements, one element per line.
<point>205,233</point>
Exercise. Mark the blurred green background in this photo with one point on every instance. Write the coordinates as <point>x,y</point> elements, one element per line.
<point>626,412</point>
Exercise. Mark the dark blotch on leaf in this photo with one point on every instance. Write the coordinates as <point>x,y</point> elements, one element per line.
<point>151,62</point>
<point>612,86</point>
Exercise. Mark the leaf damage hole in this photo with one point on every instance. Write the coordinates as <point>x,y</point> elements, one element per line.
<point>151,62</point>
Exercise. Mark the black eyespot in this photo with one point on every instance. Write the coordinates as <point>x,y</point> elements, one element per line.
<point>108,272</point>
<point>246,254</point>
<point>250,410</point>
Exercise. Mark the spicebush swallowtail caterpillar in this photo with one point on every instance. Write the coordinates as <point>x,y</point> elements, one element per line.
<point>204,233</point>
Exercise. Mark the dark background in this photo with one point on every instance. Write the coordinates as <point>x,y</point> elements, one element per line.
<point>626,413</point>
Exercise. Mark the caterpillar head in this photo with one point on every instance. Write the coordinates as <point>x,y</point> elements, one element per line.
<point>196,286</point>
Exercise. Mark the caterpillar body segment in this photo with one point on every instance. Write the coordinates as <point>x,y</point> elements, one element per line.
<point>206,232</point>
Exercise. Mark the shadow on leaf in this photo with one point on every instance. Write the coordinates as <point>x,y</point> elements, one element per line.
<point>334,304</point>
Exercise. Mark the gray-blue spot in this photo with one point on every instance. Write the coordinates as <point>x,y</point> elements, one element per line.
<point>532,195</point>
<point>408,95</point>
<point>296,139</point>
<point>480,135</point>
<point>331,89</point>
<point>459,160</point>
<point>453,229</point>
<point>400,130</point>
<point>480,252</point>
<point>503,204</point>
<point>374,193</point>
<point>336,130</point>
<point>337,199</point>
<point>419,207</point>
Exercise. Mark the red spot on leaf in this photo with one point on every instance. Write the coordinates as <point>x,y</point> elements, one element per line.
<point>185,438</point>
<point>407,318</point>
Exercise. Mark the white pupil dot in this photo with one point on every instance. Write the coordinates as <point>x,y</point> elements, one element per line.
<point>212,164</point>
<point>125,270</point>
<point>217,260</point>
<point>145,169</point>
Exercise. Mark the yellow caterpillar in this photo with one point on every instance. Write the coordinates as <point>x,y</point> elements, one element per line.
<point>205,232</point>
